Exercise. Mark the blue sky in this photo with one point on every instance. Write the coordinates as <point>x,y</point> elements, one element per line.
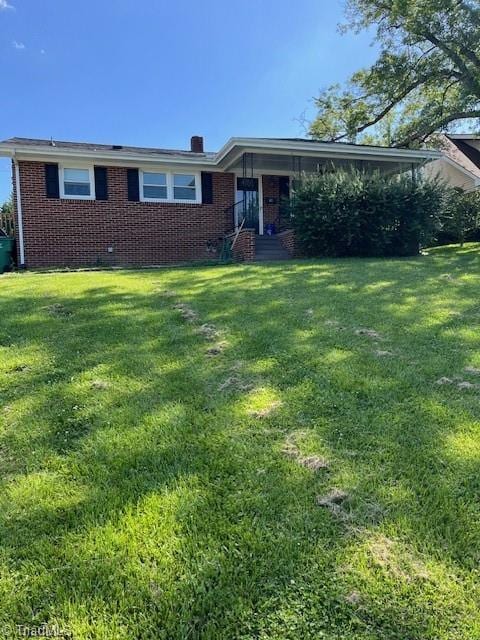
<point>153,72</point>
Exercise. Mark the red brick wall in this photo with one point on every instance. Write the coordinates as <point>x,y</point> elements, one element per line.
<point>74,233</point>
<point>271,189</point>
<point>244,249</point>
<point>288,242</point>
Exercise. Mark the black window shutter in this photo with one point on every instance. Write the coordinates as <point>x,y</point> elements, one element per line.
<point>207,188</point>
<point>52,186</point>
<point>101,187</point>
<point>133,186</point>
<point>284,186</point>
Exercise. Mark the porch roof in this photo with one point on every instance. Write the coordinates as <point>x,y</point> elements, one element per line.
<point>287,155</point>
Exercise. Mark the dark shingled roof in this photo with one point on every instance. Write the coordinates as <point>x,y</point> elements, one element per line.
<point>90,146</point>
<point>466,156</point>
<point>470,152</point>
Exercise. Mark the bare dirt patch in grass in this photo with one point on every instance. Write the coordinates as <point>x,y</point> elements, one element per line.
<point>216,349</point>
<point>369,333</point>
<point>58,310</point>
<point>473,370</point>
<point>313,462</point>
<point>334,497</point>
<point>353,598</point>
<point>334,324</point>
<point>19,368</point>
<point>381,550</point>
<point>463,385</point>
<point>400,563</point>
<point>100,385</point>
<point>291,450</point>
<point>466,384</point>
<point>368,513</point>
<point>266,411</point>
<point>186,312</point>
<point>334,501</point>
<point>235,383</point>
<point>166,293</point>
<point>208,331</point>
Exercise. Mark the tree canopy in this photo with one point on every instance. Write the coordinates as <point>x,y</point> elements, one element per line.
<point>426,77</point>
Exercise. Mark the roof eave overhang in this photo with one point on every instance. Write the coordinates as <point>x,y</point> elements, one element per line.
<point>236,147</point>
<point>55,153</point>
<point>228,155</point>
<point>463,136</point>
<point>461,168</point>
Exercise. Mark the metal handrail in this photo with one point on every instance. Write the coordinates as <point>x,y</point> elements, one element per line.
<point>231,209</point>
<point>237,233</point>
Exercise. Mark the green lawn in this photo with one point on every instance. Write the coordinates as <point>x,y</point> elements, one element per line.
<point>151,489</point>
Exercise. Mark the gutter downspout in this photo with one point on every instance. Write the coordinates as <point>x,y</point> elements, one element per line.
<point>21,243</point>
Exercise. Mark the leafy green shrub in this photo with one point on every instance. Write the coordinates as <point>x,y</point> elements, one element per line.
<point>356,213</point>
<point>460,216</point>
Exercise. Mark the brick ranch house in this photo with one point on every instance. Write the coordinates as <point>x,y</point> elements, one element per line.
<point>79,204</point>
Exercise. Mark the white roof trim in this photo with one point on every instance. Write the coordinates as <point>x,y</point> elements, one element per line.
<point>220,159</point>
<point>41,152</point>
<point>326,149</point>
<point>461,168</point>
<point>463,136</point>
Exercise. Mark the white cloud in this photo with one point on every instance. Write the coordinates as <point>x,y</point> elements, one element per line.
<point>18,45</point>
<point>4,5</point>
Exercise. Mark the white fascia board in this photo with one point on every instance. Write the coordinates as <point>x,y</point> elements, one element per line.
<point>461,168</point>
<point>121,159</point>
<point>327,150</point>
<point>220,160</point>
<point>463,136</point>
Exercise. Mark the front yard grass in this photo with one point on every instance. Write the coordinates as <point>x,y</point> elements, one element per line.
<point>169,442</point>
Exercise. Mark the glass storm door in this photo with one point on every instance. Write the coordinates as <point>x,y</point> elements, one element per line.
<point>248,202</point>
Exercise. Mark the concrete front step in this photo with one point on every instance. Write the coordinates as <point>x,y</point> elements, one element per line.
<point>269,248</point>
<point>270,257</point>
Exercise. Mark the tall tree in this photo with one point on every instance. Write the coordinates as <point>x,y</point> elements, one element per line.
<point>426,77</point>
<point>7,206</point>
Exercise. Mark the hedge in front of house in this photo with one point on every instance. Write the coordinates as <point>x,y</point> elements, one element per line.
<point>357,213</point>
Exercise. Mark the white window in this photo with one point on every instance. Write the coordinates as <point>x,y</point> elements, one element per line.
<point>170,187</point>
<point>184,187</point>
<point>77,183</point>
<point>155,186</point>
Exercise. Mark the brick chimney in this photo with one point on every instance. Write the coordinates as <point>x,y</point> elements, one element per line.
<point>196,144</point>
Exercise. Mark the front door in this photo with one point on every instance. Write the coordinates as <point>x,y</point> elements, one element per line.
<point>247,203</point>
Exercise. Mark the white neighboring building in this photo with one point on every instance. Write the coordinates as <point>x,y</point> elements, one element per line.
<point>460,164</point>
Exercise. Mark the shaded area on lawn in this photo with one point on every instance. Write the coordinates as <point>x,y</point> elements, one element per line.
<point>158,507</point>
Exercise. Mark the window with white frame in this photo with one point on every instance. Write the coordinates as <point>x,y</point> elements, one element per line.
<point>184,187</point>
<point>77,182</point>
<point>169,187</point>
<point>155,186</point>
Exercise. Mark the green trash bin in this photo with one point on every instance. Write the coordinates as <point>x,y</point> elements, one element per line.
<point>6,248</point>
